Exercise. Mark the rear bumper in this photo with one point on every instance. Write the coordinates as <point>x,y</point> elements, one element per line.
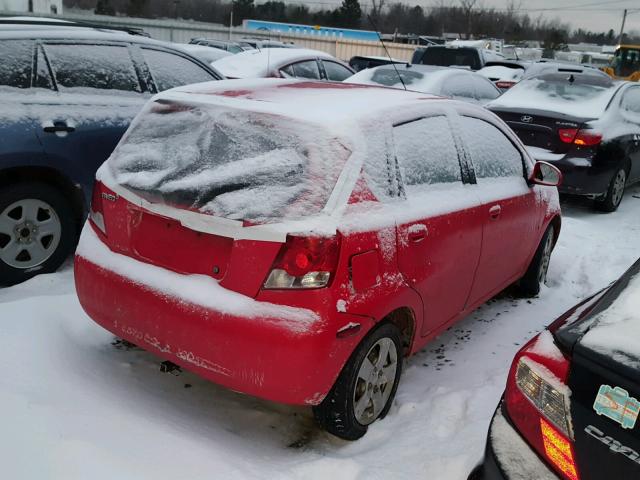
<point>508,456</point>
<point>582,178</point>
<point>263,357</point>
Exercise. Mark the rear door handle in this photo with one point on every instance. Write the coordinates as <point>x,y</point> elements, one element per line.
<point>417,233</point>
<point>495,211</point>
<point>58,127</point>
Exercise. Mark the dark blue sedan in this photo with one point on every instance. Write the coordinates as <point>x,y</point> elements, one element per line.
<point>68,93</point>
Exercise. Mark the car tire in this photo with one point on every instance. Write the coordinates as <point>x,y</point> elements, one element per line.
<point>366,387</point>
<point>615,192</point>
<point>536,274</point>
<point>37,231</point>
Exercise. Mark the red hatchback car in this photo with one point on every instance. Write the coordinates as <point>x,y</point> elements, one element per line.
<point>295,240</point>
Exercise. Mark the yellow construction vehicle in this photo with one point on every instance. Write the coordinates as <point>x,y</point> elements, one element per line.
<point>625,64</point>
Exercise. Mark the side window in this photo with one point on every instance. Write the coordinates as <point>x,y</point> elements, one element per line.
<point>492,153</point>
<point>426,153</point>
<point>169,70</point>
<point>15,66</point>
<point>105,67</point>
<point>335,71</point>
<point>631,101</point>
<point>288,72</point>
<point>459,86</point>
<point>308,69</point>
<point>485,91</point>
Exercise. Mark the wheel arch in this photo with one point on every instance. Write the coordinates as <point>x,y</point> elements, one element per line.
<point>405,319</point>
<point>53,178</point>
<point>556,223</point>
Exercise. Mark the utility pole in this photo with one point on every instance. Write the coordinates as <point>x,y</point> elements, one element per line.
<point>231,24</point>
<point>624,19</point>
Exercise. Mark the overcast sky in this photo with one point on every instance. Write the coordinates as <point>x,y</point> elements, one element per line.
<point>588,14</point>
<point>593,15</point>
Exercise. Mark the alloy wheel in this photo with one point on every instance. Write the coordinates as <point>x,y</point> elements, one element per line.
<point>617,191</point>
<point>30,231</point>
<point>546,258</point>
<point>375,380</point>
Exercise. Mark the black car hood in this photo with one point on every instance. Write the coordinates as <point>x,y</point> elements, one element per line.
<point>571,336</point>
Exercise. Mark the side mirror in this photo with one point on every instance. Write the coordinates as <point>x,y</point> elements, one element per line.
<point>546,174</point>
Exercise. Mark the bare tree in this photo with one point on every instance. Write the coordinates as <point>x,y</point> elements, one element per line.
<point>376,9</point>
<point>467,6</point>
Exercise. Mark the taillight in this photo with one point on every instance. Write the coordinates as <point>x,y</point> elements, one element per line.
<point>96,210</point>
<point>505,84</point>
<point>588,138</point>
<point>584,138</point>
<point>567,134</point>
<point>304,262</point>
<point>537,399</point>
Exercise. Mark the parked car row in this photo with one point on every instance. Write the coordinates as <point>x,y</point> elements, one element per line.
<point>323,225</point>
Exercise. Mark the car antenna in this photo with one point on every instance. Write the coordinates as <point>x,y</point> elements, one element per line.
<point>393,64</point>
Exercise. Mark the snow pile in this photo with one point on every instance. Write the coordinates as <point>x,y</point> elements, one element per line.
<point>616,331</point>
<point>261,63</point>
<point>80,405</point>
<point>199,290</point>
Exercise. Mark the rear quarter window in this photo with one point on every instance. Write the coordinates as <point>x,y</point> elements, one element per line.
<point>170,70</point>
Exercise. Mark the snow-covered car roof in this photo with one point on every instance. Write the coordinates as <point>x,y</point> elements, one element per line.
<point>65,32</point>
<point>203,52</point>
<point>419,78</point>
<point>261,63</point>
<point>324,103</point>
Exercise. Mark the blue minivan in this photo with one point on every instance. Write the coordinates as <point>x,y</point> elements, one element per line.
<point>68,92</point>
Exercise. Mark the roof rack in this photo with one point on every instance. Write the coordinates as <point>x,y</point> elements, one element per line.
<point>73,23</point>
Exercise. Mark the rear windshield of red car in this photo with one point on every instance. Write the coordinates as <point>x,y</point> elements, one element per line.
<point>230,163</point>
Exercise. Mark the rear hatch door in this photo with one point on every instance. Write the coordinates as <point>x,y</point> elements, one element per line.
<point>605,383</point>
<point>203,189</point>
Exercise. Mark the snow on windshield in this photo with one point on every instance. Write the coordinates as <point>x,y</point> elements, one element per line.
<point>498,72</point>
<point>259,63</point>
<point>228,163</point>
<point>414,79</point>
<point>557,93</point>
<point>617,330</point>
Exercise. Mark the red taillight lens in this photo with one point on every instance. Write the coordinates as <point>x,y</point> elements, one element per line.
<point>567,134</point>
<point>96,210</point>
<point>537,400</point>
<point>588,138</point>
<point>505,84</point>
<point>304,262</point>
<point>585,138</point>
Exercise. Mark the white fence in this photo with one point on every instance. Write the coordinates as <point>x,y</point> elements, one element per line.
<point>182,31</point>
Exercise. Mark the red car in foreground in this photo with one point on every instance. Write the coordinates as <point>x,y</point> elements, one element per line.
<point>295,240</point>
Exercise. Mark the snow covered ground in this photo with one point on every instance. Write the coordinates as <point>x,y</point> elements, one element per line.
<point>76,406</point>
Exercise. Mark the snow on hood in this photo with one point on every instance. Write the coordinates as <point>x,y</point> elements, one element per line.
<point>616,331</point>
<point>260,63</point>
